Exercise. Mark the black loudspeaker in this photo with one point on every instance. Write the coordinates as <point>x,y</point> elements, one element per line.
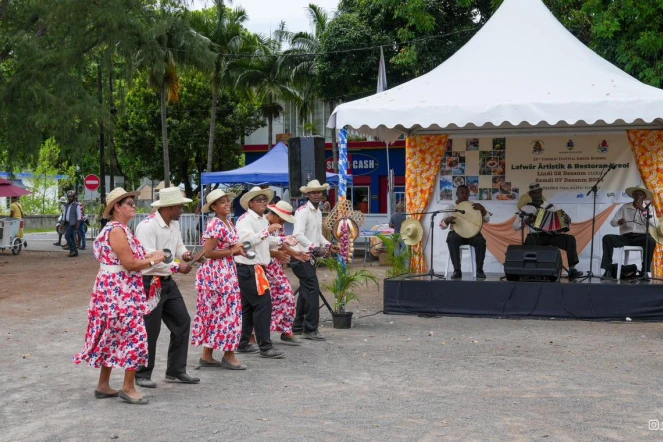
<point>533,263</point>
<point>306,162</point>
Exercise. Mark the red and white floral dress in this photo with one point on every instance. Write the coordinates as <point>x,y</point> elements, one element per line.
<point>116,335</point>
<point>218,321</point>
<point>283,300</point>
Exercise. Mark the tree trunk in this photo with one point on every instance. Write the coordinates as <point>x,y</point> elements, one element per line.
<point>212,130</point>
<point>164,136</point>
<point>333,138</point>
<point>102,156</point>
<point>269,133</point>
<point>188,190</point>
<point>111,141</point>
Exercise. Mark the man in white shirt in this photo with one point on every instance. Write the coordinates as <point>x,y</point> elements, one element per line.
<point>308,232</point>
<point>540,238</point>
<point>454,240</point>
<point>161,230</point>
<point>632,221</point>
<point>254,228</point>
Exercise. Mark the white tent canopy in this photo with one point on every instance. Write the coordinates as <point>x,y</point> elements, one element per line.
<point>522,71</point>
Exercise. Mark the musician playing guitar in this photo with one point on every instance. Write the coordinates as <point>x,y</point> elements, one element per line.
<point>548,238</point>
<point>454,240</point>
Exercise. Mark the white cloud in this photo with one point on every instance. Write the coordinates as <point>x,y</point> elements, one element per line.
<point>265,15</point>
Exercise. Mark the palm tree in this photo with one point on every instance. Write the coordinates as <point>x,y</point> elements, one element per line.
<point>171,42</point>
<point>269,80</point>
<point>227,33</point>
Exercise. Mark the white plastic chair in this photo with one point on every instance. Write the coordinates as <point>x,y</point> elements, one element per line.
<point>468,248</point>
<point>622,256</point>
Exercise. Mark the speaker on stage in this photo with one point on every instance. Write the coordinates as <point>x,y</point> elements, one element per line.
<point>533,263</point>
<point>306,162</point>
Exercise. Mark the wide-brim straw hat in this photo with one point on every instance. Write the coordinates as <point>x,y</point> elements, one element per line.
<point>314,186</point>
<point>411,231</point>
<point>170,196</point>
<point>657,232</point>
<point>648,195</point>
<point>283,210</point>
<point>214,195</point>
<point>114,196</point>
<point>254,192</point>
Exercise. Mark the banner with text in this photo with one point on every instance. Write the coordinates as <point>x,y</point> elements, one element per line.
<point>499,169</point>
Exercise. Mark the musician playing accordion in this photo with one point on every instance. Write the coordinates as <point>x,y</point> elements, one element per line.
<point>632,221</point>
<point>537,237</point>
<point>454,240</point>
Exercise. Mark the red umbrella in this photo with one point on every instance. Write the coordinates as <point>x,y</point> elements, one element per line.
<point>7,189</point>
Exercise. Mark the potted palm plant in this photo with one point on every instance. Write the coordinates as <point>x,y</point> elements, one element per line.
<point>398,254</point>
<point>343,287</point>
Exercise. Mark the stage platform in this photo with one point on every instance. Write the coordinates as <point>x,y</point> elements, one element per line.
<point>600,299</point>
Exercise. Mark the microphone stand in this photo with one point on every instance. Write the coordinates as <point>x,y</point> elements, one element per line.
<point>594,190</point>
<point>431,273</point>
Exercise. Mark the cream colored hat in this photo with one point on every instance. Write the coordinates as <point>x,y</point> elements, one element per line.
<point>648,195</point>
<point>411,231</point>
<point>283,210</point>
<point>114,196</point>
<point>254,192</point>
<point>170,196</point>
<point>215,195</point>
<point>314,186</point>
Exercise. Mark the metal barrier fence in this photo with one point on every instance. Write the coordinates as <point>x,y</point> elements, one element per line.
<point>191,226</point>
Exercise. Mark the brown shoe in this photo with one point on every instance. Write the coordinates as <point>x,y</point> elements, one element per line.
<point>72,254</point>
<point>289,338</point>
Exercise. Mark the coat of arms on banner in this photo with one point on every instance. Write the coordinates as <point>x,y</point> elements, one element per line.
<point>537,147</point>
<point>603,147</point>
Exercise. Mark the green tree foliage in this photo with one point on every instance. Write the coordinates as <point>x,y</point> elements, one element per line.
<point>138,136</point>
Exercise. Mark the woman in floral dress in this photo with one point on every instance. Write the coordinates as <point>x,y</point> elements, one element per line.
<point>218,321</point>
<point>116,335</point>
<point>283,299</point>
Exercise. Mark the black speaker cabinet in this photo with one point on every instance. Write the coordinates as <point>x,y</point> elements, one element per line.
<point>533,263</point>
<point>306,162</point>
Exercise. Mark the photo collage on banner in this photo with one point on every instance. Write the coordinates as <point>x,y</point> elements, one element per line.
<point>478,164</point>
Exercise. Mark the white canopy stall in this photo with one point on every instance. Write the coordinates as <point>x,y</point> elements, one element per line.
<point>522,75</point>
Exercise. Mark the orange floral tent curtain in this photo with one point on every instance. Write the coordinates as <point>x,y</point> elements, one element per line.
<point>647,146</point>
<point>501,235</point>
<point>423,158</point>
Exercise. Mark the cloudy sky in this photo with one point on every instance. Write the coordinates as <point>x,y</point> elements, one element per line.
<point>265,15</point>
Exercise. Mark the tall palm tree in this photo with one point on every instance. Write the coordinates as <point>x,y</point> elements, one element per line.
<point>226,31</point>
<point>269,80</point>
<point>171,43</point>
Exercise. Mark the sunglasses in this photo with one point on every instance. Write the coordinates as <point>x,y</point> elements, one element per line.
<point>130,203</point>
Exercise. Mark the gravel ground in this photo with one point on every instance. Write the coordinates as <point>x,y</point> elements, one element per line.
<point>387,378</point>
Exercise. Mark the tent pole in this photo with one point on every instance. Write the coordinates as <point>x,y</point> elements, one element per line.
<point>389,190</point>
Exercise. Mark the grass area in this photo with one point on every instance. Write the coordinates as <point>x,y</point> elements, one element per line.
<point>43,230</point>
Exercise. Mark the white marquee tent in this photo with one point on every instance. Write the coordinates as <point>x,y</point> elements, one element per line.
<point>522,71</point>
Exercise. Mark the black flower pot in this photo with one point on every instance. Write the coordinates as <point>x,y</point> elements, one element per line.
<point>342,320</point>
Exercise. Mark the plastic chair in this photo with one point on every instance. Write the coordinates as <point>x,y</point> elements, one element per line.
<point>622,256</point>
<point>470,249</point>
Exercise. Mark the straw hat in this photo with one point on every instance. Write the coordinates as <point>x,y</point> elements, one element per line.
<point>170,196</point>
<point>215,195</point>
<point>657,232</point>
<point>115,196</point>
<point>283,210</point>
<point>525,199</point>
<point>533,187</point>
<point>254,192</point>
<point>411,231</point>
<point>314,186</point>
<point>648,195</point>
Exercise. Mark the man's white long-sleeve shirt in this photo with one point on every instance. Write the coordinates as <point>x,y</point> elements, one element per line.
<point>154,234</point>
<point>254,228</point>
<point>308,228</point>
<point>636,221</point>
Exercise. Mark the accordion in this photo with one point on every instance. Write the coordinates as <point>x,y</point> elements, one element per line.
<point>552,221</point>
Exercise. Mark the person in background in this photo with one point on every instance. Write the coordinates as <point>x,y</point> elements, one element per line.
<point>395,223</point>
<point>82,230</point>
<point>238,210</point>
<point>100,215</point>
<point>363,206</point>
<point>16,211</point>
<point>325,206</point>
<point>72,220</point>
<point>116,335</point>
<point>60,227</point>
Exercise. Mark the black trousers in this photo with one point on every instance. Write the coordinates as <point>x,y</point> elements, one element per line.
<point>173,312</point>
<point>610,242</point>
<point>560,240</point>
<point>256,309</point>
<point>70,237</point>
<point>307,316</point>
<point>454,241</point>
